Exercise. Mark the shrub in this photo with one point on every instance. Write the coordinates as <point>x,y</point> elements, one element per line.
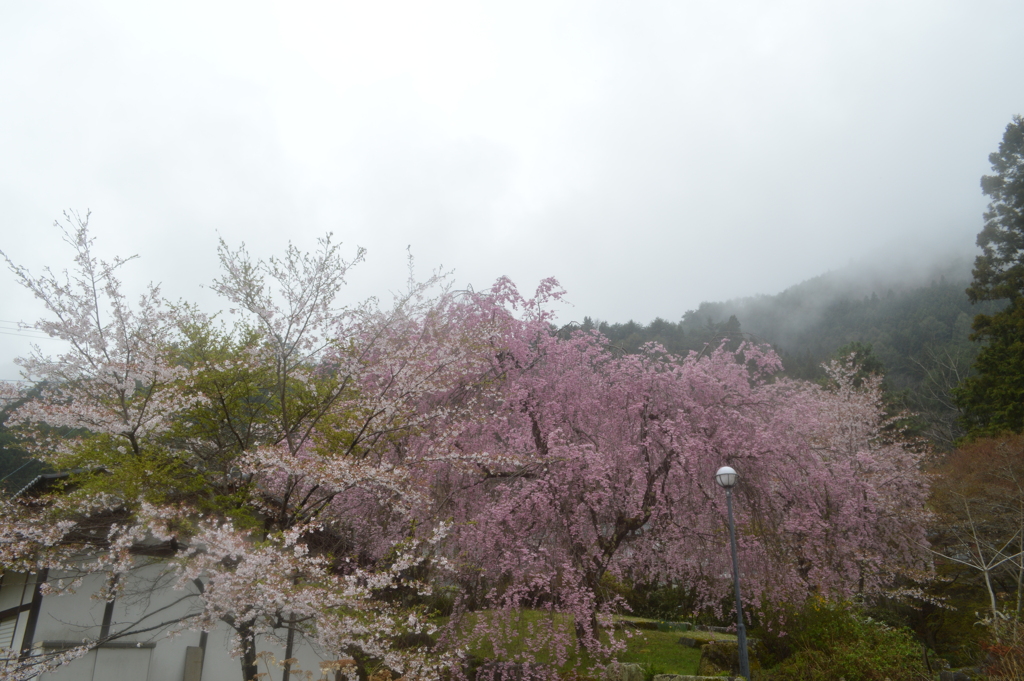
<point>660,602</point>
<point>831,641</point>
<point>1005,650</point>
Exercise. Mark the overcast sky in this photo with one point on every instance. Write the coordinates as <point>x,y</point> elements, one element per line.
<point>650,155</point>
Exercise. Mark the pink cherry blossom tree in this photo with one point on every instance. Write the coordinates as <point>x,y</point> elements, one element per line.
<point>114,379</point>
<point>255,446</point>
<point>314,470</point>
<point>606,468</point>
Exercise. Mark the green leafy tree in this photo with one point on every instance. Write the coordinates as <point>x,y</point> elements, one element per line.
<point>993,399</point>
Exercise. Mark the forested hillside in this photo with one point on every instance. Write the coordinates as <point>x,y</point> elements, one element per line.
<point>316,466</point>
<point>332,437</point>
<point>17,467</point>
<point>917,325</point>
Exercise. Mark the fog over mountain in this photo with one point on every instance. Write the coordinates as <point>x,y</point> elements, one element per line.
<point>650,155</point>
<point>785,316</point>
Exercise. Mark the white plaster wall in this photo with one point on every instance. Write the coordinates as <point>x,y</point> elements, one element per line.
<point>15,590</point>
<point>123,664</point>
<point>220,666</point>
<point>71,617</point>
<point>79,670</point>
<point>149,600</point>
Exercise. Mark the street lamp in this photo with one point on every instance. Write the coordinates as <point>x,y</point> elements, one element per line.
<point>727,478</point>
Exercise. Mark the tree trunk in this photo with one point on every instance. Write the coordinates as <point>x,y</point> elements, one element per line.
<point>249,669</point>
<point>288,651</point>
<point>581,630</point>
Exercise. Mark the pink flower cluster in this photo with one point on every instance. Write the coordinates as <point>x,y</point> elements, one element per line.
<point>455,442</point>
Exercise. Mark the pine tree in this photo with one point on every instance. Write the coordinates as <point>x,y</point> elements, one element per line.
<point>993,400</point>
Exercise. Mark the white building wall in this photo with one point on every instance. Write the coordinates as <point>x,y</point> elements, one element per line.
<point>80,670</point>
<point>150,656</point>
<point>15,592</point>
<point>73,617</point>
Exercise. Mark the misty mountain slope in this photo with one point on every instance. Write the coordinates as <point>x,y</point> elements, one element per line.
<point>916,318</point>
<point>858,297</point>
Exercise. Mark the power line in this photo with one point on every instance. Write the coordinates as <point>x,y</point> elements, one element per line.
<point>25,335</point>
<point>21,328</point>
<point>15,326</point>
<point>16,469</point>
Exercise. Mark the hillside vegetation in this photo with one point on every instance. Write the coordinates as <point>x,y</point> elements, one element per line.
<point>917,326</point>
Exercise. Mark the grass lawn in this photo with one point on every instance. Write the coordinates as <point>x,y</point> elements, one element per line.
<point>658,652</point>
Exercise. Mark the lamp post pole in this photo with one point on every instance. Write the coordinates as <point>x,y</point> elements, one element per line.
<point>727,478</point>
